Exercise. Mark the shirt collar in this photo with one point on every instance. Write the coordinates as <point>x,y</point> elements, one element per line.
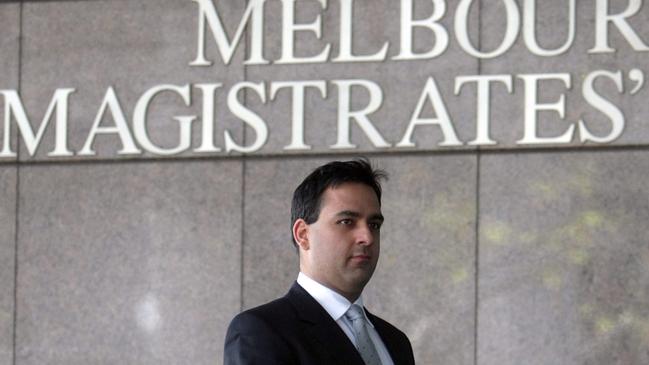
<point>332,302</point>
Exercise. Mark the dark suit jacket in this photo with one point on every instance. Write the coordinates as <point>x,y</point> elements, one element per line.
<point>295,329</point>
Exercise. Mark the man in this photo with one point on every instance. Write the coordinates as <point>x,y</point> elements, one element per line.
<point>336,220</point>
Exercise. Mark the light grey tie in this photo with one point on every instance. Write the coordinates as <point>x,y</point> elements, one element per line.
<point>363,342</point>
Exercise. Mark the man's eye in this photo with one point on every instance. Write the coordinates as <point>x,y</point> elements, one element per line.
<point>345,221</point>
<point>375,226</point>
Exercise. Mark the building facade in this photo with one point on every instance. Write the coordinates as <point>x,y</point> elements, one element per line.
<point>149,150</point>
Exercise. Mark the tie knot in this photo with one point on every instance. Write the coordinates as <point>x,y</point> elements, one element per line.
<point>354,312</point>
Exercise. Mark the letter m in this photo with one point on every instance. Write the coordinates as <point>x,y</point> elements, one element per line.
<point>207,15</point>
<point>13,106</point>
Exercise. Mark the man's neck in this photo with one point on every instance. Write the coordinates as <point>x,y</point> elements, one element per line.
<point>351,297</point>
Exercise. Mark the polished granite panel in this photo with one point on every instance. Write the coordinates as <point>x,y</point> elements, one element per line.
<point>134,263</point>
<point>131,46</point>
<point>425,280</point>
<point>9,59</point>
<point>270,261</point>
<point>402,82</point>
<point>136,45</point>
<point>563,259</point>
<point>578,64</point>
<point>7,259</point>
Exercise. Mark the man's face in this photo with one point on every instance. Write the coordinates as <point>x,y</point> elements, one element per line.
<point>341,248</point>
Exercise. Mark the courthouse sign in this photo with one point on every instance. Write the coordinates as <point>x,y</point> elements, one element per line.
<point>130,132</point>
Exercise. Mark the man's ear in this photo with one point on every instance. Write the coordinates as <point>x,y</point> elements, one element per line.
<point>301,233</point>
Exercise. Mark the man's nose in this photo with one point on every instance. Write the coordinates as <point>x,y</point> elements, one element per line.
<point>365,235</point>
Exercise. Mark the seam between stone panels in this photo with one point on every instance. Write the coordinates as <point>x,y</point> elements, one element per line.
<point>17,197</point>
<point>476,259</point>
<point>476,269</point>
<point>15,294</point>
<point>20,71</point>
<point>242,237</point>
<point>243,189</point>
<point>325,154</point>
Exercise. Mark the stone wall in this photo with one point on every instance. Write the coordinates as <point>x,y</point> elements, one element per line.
<point>502,253</point>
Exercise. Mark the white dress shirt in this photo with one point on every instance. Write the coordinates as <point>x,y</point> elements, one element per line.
<point>337,305</point>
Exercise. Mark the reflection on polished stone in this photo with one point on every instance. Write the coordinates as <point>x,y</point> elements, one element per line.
<point>424,281</point>
<point>148,314</point>
<point>131,263</point>
<point>563,259</point>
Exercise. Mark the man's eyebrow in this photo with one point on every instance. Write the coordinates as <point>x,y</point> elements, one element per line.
<point>349,213</point>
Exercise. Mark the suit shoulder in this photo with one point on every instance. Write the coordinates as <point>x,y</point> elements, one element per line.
<point>258,336</point>
<point>271,314</point>
<point>280,307</point>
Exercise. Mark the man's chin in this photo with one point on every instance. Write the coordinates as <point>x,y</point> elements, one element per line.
<point>362,275</point>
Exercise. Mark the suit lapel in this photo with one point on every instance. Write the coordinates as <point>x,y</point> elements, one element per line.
<point>389,341</point>
<point>320,327</point>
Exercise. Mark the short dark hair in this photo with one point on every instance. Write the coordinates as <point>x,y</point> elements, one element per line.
<point>308,195</point>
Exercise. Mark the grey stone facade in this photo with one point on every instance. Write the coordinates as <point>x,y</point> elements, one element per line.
<point>502,253</point>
